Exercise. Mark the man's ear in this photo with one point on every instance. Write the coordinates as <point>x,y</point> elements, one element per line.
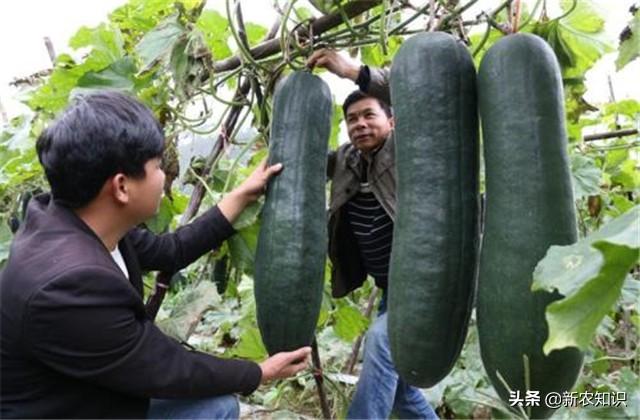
<point>120,189</point>
<point>392,122</point>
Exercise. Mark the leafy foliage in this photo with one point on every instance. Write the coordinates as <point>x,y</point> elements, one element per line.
<point>576,39</point>
<point>586,176</point>
<point>215,29</point>
<point>185,315</point>
<point>590,275</point>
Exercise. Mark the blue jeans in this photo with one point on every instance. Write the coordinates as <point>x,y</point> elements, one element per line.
<point>380,390</point>
<point>222,407</point>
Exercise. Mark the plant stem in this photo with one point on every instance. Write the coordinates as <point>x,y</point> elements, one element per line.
<point>457,13</point>
<point>611,134</point>
<point>483,41</point>
<point>317,375</point>
<point>353,358</point>
<point>533,12</point>
<point>613,359</point>
<point>569,11</point>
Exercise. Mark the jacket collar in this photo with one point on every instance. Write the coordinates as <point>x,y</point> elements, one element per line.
<point>381,159</point>
<point>43,209</point>
<point>49,215</point>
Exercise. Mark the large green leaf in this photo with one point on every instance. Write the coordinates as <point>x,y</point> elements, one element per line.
<point>302,13</point>
<point>249,215</point>
<point>140,16</point>
<point>16,136</point>
<point>583,17</point>
<point>586,176</point>
<point>250,345</point>
<point>215,29</point>
<point>242,247</point>
<point>190,61</point>
<point>629,42</point>
<point>614,158</point>
<point>567,268</point>
<point>626,175</point>
<point>621,204</point>
<point>375,56</point>
<point>179,63</point>
<point>349,323</point>
<point>106,42</point>
<point>19,169</point>
<point>169,208</point>
<point>160,222</point>
<point>185,315</point>
<point>53,95</point>
<point>158,43</point>
<point>255,32</point>
<point>577,41</point>
<point>590,275</point>
<point>179,202</point>
<point>106,48</point>
<point>581,32</point>
<point>627,107</point>
<point>119,75</point>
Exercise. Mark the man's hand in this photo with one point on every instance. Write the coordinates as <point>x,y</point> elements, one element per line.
<point>335,63</point>
<point>256,185</point>
<point>246,193</point>
<point>285,364</point>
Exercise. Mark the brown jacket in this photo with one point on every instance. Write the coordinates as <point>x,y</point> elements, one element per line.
<point>344,169</point>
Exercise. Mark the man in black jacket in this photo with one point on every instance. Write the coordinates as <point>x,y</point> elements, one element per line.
<point>75,338</point>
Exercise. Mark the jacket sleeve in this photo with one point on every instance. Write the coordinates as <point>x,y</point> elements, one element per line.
<point>173,251</point>
<point>375,81</point>
<point>379,84</point>
<point>90,324</point>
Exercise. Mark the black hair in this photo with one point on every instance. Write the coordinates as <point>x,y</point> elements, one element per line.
<point>358,95</point>
<point>97,136</point>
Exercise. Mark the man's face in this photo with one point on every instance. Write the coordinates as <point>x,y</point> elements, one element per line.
<point>367,124</point>
<point>146,192</point>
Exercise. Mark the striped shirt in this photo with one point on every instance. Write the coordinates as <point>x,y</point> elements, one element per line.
<point>373,229</point>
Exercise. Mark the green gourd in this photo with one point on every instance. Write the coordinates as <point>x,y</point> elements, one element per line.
<point>435,238</point>
<point>292,244</point>
<point>529,208</point>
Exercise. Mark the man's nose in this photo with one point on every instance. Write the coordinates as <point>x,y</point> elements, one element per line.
<point>360,122</point>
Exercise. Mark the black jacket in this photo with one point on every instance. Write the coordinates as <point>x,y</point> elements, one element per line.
<point>75,337</point>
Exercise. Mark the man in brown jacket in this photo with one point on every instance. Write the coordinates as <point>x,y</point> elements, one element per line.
<point>362,210</point>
